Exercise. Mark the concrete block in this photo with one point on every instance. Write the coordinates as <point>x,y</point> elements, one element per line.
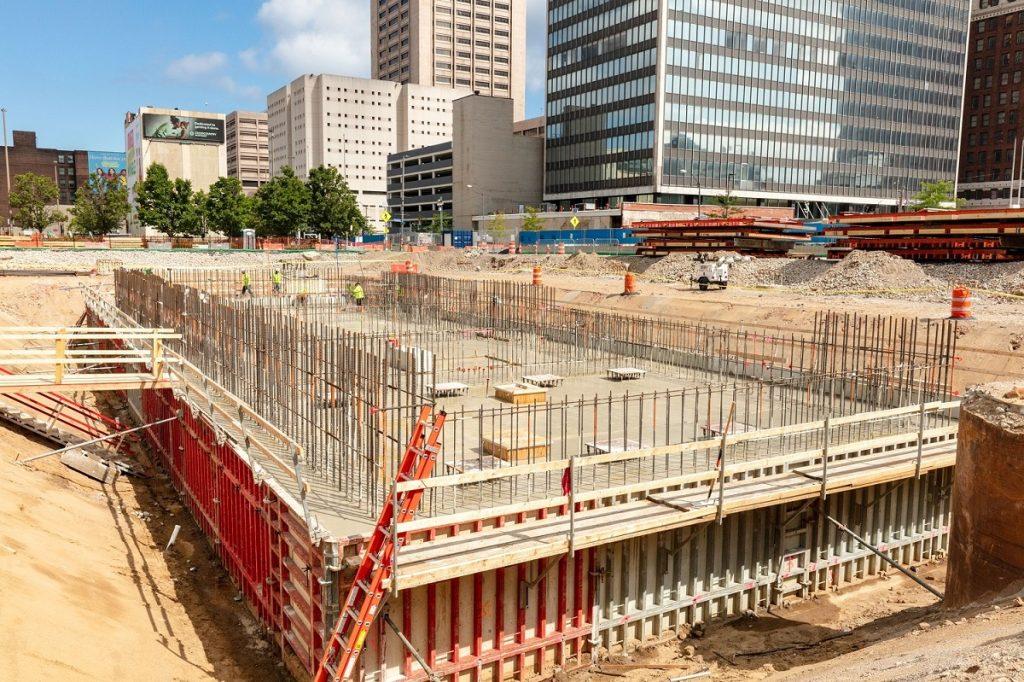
<point>93,467</point>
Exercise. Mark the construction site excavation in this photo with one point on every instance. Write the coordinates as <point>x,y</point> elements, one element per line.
<point>409,476</point>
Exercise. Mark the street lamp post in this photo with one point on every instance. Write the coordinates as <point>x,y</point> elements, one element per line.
<point>7,164</point>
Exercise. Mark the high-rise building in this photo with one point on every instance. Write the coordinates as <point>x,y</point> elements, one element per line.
<point>352,124</point>
<point>475,44</point>
<point>189,144</point>
<point>823,105</point>
<point>248,148</point>
<point>991,157</point>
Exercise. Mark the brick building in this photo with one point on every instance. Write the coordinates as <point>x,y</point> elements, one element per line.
<point>68,168</point>
<point>991,156</point>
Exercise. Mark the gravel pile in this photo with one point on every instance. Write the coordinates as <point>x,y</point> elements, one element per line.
<point>1006,277</point>
<point>46,259</point>
<point>591,264</point>
<point>748,272</point>
<point>873,271</point>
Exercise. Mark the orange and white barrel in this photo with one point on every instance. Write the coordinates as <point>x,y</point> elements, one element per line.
<point>961,307</point>
<point>630,284</point>
<point>536,276</point>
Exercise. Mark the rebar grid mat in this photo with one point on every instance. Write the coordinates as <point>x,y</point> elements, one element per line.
<point>346,381</point>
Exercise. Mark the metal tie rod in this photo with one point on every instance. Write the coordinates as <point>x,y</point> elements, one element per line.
<point>75,446</point>
<point>886,559</point>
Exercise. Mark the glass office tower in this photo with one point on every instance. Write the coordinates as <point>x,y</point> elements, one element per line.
<point>847,104</point>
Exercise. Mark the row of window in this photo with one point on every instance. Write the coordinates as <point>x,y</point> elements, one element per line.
<point>461,54</point>
<point>589,26</point>
<point>600,96</point>
<point>610,120</point>
<point>637,61</point>
<point>842,30</point>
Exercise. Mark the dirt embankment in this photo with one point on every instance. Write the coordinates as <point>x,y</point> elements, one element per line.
<point>87,591</point>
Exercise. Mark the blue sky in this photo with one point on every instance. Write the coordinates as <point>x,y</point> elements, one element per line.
<point>74,68</point>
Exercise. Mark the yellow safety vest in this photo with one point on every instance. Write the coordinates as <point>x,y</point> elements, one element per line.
<point>276,277</point>
<point>357,292</point>
<point>246,280</point>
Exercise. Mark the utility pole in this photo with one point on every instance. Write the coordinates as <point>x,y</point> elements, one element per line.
<point>7,164</point>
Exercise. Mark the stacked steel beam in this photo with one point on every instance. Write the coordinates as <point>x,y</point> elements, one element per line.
<point>933,235</point>
<point>745,235</point>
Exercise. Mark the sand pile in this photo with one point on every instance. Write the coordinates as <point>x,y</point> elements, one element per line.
<point>873,271</point>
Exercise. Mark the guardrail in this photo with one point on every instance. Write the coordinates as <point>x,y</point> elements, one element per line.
<point>203,392</point>
<point>676,465</point>
<point>65,354</point>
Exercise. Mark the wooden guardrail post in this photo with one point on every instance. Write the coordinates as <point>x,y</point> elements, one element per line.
<point>920,441</point>
<point>58,366</point>
<point>824,459</point>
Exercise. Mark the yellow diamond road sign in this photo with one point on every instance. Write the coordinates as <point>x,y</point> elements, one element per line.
<point>574,221</point>
<point>386,216</point>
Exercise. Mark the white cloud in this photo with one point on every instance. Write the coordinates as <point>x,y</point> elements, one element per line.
<point>193,66</point>
<point>210,68</point>
<point>318,36</point>
<point>251,59</point>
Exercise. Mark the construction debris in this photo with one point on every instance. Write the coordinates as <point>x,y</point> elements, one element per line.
<point>863,271</point>
<point>93,467</point>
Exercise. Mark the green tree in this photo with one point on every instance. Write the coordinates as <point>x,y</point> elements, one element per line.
<point>30,198</point>
<point>440,222</point>
<point>728,206</point>
<point>227,209</point>
<point>283,205</point>
<point>532,222</point>
<point>153,198</point>
<point>169,207</point>
<point>101,206</point>
<point>333,209</point>
<point>935,195</point>
<point>497,227</point>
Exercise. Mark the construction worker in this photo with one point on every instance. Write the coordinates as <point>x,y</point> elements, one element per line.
<point>358,295</point>
<point>276,280</point>
<point>246,283</point>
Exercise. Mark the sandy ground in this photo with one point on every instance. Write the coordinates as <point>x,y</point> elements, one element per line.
<point>86,590</point>
<point>888,629</point>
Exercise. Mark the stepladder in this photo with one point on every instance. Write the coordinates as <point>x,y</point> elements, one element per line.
<point>376,568</point>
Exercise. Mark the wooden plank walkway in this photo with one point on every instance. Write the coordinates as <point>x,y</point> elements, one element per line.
<point>469,553</point>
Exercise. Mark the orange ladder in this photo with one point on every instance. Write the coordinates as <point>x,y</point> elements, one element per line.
<point>377,565</point>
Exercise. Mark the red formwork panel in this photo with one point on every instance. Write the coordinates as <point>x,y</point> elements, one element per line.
<point>262,544</point>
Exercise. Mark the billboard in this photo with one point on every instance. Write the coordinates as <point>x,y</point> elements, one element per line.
<point>174,128</point>
<point>110,165</point>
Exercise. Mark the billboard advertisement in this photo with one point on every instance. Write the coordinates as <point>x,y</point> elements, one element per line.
<point>174,128</point>
<point>110,165</point>
<point>133,155</point>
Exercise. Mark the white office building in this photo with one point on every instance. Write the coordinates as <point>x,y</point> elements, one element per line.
<point>352,124</point>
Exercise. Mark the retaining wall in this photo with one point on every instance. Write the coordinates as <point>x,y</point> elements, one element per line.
<point>507,623</point>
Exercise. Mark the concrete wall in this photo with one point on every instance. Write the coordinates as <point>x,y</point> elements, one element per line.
<point>987,553</point>
<point>650,587</point>
<point>504,169</point>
